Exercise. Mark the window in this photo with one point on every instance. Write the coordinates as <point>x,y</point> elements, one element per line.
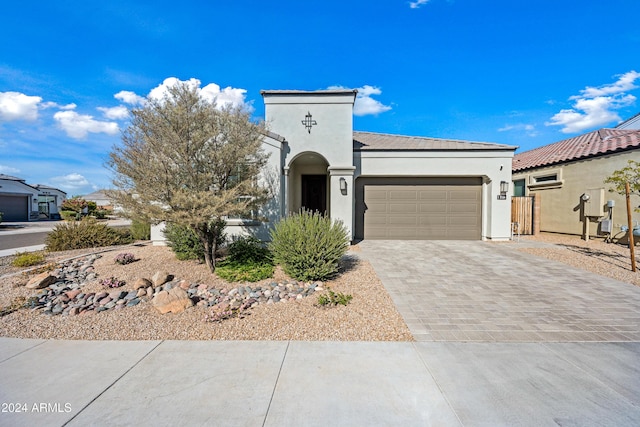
<point>519,188</point>
<point>546,179</point>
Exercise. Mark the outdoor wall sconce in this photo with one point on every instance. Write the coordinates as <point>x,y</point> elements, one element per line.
<point>504,187</point>
<point>343,186</point>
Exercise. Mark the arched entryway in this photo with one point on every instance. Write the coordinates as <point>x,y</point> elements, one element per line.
<point>308,183</point>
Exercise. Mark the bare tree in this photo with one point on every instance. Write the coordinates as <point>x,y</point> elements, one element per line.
<point>184,160</point>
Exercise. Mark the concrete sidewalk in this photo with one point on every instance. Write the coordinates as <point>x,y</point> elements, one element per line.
<point>239,383</point>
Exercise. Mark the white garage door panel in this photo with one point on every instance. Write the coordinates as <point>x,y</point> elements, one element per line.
<point>426,212</point>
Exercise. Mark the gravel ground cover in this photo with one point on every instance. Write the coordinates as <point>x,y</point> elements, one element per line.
<point>607,259</point>
<point>370,316</point>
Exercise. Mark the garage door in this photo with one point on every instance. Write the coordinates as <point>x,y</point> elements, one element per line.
<point>423,209</point>
<point>14,208</point>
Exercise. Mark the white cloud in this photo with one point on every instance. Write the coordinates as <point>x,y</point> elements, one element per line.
<point>417,4</point>
<point>365,104</point>
<point>51,104</point>
<point>70,182</point>
<point>529,129</point>
<point>8,170</point>
<point>624,84</point>
<point>596,106</point>
<point>115,113</point>
<point>80,125</point>
<point>222,97</point>
<point>18,106</point>
<point>129,97</point>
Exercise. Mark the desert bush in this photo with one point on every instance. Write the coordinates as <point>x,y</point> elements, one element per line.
<point>125,258</point>
<point>184,242</point>
<point>100,213</point>
<point>332,299</point>
<point>309,246</point>
<point>85,234</point>
<point>69,215</point>
<point>75,204</point>
<point>248,250</point>
<point>112,282</point>
<point>140,230</point>
<point>27,259</point>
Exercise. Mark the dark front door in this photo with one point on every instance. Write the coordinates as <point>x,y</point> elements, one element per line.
<point>314,193</point>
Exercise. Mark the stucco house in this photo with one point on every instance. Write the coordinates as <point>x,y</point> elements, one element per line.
<point>20,201</point>
<point>50,201</point>
<point>568,178</point>
<point>380,186</point>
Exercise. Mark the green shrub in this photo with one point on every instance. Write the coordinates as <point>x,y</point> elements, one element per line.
<point>100,213</point>
<point>333,298</point>
<point>309,245</point>
<point>85,234</point>
<point>184,242</point>
<point>244,272</point>
<point>248,250</point>
<point>27,259</point>
<point>140,230</point>
<point>69,215</point>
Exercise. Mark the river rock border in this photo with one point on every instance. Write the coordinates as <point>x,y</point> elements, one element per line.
<point>61,293</point>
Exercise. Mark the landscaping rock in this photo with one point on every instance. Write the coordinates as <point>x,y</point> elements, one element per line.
<point>160,278</point>
<point>142,283</point>
<point>40,281</point>
<point>175,300</point>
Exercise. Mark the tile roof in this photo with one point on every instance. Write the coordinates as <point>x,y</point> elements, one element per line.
<point>369,141</point>
<point>603,141</point>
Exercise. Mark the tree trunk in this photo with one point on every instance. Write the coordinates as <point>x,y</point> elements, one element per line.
<point>208,239</point>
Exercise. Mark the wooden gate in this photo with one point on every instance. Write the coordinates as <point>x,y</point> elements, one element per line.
<point>522,213</point>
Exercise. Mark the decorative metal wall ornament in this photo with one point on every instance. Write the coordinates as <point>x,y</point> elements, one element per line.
<point>308,122</point>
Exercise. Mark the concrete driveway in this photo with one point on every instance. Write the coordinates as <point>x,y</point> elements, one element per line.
<point>491,292</point>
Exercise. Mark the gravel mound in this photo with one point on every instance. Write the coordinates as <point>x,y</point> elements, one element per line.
<point>370,316</point>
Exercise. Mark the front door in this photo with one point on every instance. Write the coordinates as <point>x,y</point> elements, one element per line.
<point>314,193</point>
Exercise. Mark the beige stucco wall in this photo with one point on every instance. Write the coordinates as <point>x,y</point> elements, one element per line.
<point>561,210</point>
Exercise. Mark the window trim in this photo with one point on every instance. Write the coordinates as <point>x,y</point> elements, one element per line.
<point>539,180</point>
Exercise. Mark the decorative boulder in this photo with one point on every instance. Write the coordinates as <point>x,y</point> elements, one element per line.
<point>160,278</point>
<point>40,281</point>
<point>175,300</point>
<point>142,283</point>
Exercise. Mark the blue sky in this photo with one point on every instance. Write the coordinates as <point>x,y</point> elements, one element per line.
<point>521,73</point>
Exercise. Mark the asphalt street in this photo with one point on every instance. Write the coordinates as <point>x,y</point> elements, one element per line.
<point>12,241</point>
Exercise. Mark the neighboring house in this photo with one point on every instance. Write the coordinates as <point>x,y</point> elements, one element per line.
<point>101,200</point>
<point>50,201</point>
<point>380,186</point>
<point>632,123</point>
<point>18,200</point>
<point>561,173</point>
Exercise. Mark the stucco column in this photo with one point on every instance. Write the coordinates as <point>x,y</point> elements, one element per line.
<point>342,195</point>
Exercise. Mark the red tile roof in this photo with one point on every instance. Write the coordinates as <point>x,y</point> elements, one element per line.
<point>603,141</point>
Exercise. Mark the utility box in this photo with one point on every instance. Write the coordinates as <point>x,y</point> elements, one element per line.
<point>594,205</point>
<point>606,226</point>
